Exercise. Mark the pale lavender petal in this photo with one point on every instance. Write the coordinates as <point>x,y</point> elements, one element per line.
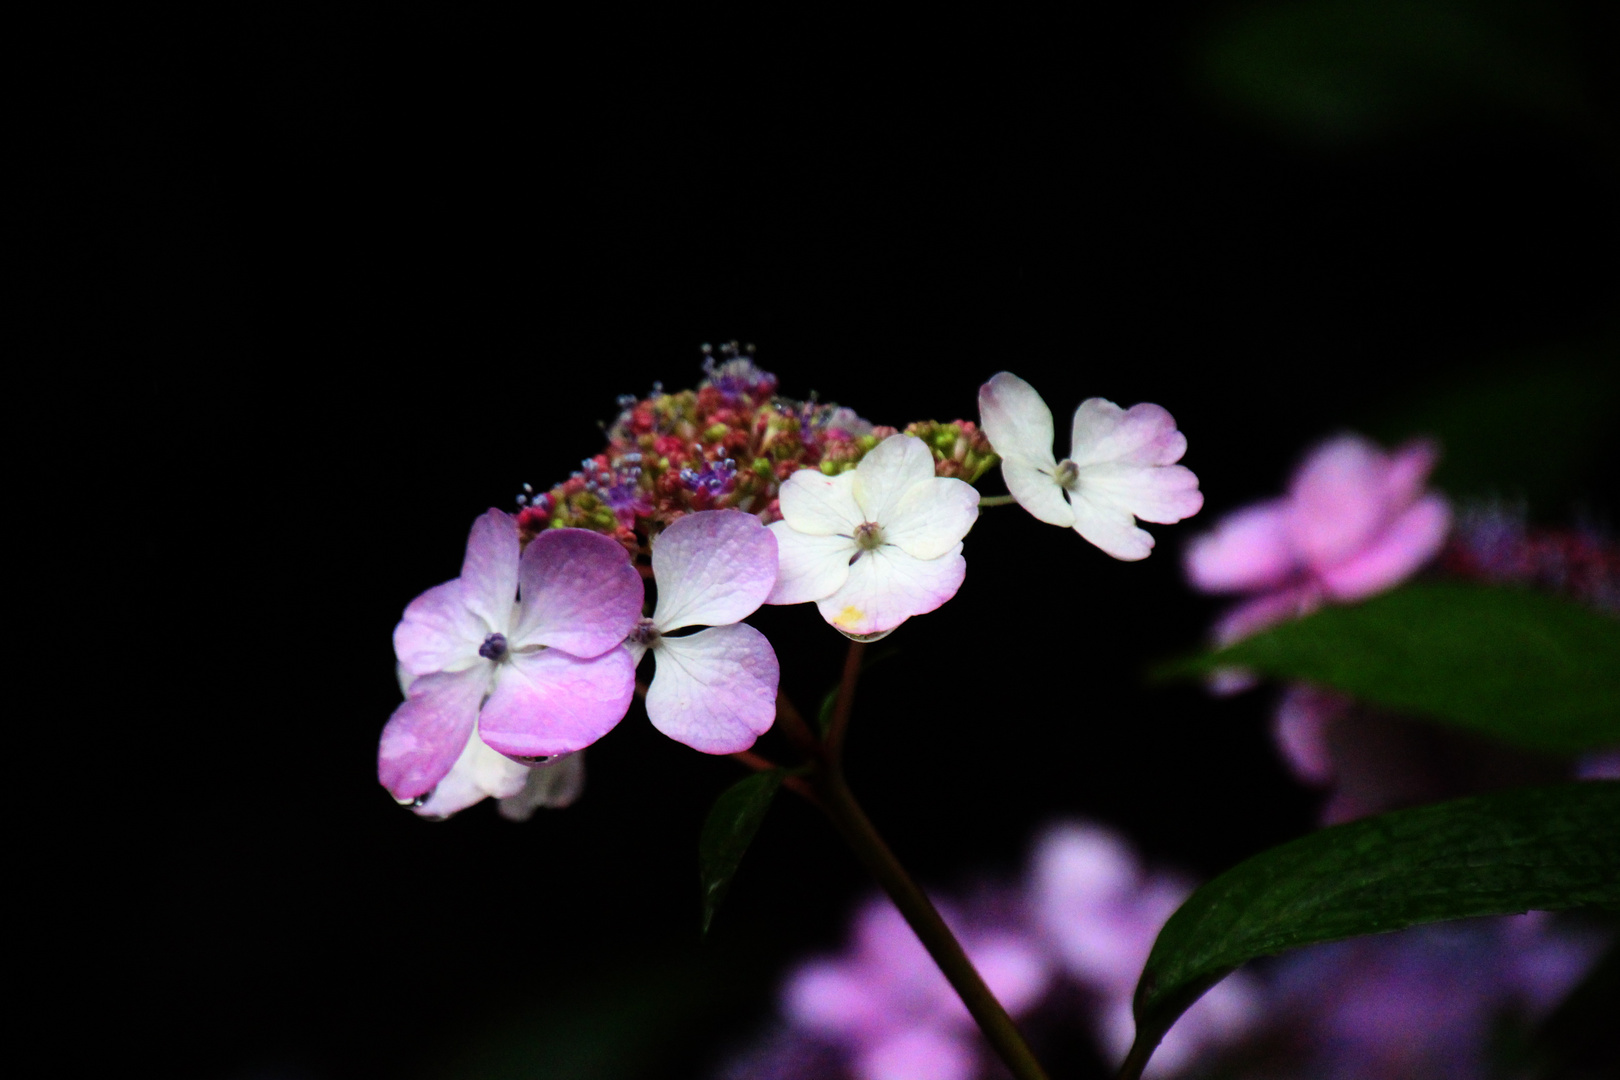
<point>932,517</point>
<point>818,505</point>
<point>1337,500</point>
<point>429,731</point>
<point>479,773</point>
<point>553,784</point>
<point>489,572</point>
<point>1411,540</point>
<point>439,632</point>
<point>1300,728</point>
<point>886,587</point>
<point>580,593</point>
<point>1109,526</point>
<point>834,998</point>
<point>549,702</point>
<point>808,567</point>
<point>1255,615</point>
<point>1038,491</point>
<point>1408,470</point>
<point>714,690</point>
<point>887,472</point>
<point>1247,550</point>
<point>1163,494</point>
<point>920,1053</point>
<point>1143,435</point>
<point>1018,425</point>
<point>712,568</point>
<point>1014,970</point>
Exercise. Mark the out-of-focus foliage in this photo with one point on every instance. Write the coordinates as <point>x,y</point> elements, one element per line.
<point>729,829</point>
<point>1553,848</point>
<point>1336,71</point>
<point>1533,670</point>
<point>1537,429</point>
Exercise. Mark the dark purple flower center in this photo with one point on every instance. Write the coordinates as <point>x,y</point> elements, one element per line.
<point>645,633</point>
<point>493,648</point>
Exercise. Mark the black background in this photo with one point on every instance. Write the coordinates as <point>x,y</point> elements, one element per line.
<point>364,273</point>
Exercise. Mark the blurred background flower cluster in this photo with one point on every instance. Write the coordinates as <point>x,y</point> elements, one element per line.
<point>365,273</point>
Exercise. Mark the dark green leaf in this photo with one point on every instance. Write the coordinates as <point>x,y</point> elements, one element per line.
<point>1547,849</point>
<point>1333,71</point>
<point>1531,669</point>
<point>730,828</point>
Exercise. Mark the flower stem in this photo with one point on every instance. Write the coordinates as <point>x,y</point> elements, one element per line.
<point>844,702</point>
<point>995,500</point>
<point>856,828</point>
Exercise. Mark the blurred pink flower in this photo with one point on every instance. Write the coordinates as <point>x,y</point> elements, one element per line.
<point>887,1004</point>
<point>1357,520</point>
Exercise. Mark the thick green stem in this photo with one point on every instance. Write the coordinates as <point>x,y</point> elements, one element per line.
<point>857,830</point>
<point>844,703</point>
<point>995,500</point>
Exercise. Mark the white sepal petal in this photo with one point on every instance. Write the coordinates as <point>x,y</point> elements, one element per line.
<point>712,568</point>
<point>886,587</point>
<point>1016,421</point>
<point>808,567</point>
<point>888,472</point>
<point>1038,492</point>
<point>818,505</point>
<point>932,517</point>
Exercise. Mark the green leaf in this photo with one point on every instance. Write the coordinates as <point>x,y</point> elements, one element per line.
<point>729,829</point>
<point>1534,670</point>
<point>1337,71</point>
<point>1547,849</point>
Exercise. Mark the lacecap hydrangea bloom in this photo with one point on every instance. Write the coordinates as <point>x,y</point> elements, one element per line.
<point>877,545</point>
<point>1121,465</point>
<point>530,678</point>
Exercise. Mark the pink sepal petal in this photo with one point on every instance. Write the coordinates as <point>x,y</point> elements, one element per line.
<point>932,517</point>
<point>489,571</point>
<point>439,632</point>
<point>550,703</point>
<point>818,505</point>
<point>809,567</point>
<point>713,568</point>
<point>1412,540</point>
<point>886,587</point>
<point>1300,728</point>
<point>1246,550</point>
<point>429,731</point>
<point>714,690</point>
<point>1142,435</point>
<point>1408,470</point>
<point>478,774</point>
<point>580,593</point>
<point>1338,500</point>
<point>1018,425</point>
<point>887,473</point>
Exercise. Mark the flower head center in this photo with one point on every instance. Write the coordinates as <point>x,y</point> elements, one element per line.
<point>869,536</point>
<point>645,633</point>
<point>493,648</point>
<point>1067,473</point>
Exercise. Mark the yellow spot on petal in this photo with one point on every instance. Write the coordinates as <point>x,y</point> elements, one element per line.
<point>850,616</point>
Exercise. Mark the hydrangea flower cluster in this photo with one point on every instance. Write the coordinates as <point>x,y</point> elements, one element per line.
<point>529,656</point>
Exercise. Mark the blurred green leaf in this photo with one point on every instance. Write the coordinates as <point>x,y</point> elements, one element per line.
<point>1547,849</point>
<point>729,829</point>
<point>1539,429</point>
<point>1337,70</point>
<point>1530,669</point>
